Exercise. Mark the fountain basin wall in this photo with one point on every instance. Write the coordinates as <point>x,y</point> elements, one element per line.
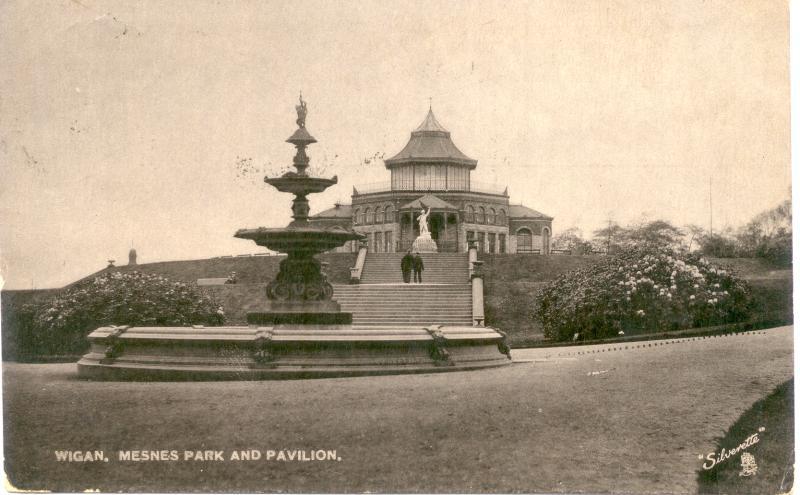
<point>286,351</point>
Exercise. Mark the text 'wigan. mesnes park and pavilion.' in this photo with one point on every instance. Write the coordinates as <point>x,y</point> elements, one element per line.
<point>430,172</point>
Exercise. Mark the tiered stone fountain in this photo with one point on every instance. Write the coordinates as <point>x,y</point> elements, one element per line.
<point>300,294</point>
<point>301,331</point>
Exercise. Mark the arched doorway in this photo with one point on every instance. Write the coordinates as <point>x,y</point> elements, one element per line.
<point>436,224</point>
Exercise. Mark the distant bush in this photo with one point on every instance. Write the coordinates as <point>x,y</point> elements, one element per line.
<point>643,289</point>
<point>58,326</point>
<point>776,249</point>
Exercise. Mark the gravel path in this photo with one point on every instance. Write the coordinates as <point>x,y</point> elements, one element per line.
<point>589,419</point>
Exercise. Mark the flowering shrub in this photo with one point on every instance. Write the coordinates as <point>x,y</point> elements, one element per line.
<point>644,289</point>
<point>59,325</point>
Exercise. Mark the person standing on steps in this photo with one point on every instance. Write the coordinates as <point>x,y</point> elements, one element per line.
<point>418,267</point>
<point>406,265</point>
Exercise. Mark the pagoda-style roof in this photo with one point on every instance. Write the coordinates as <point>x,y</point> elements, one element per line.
<point>429,201</point>
<point>430,142</point>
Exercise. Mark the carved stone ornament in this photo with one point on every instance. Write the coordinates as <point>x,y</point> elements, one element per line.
<point>113,344</point>
<point>262,348</point>
<point>438,350</point>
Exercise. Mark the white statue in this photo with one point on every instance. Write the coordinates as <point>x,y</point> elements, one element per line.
<point>423,222</point>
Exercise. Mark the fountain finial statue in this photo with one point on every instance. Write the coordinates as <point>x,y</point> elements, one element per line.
<point>302,111</point>
<point>423,221</point>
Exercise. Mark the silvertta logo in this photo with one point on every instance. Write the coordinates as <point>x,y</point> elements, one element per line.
<point>714,458</point>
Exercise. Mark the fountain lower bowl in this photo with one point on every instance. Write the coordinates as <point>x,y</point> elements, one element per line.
<point>298,239</point>
<point>286,351</point>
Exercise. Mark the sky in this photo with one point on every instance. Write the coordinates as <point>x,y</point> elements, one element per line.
<point>151,124</point>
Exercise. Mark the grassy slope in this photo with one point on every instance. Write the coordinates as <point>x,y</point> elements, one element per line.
<point>249,269</point>
<point>773,452</point>
<point>512,283</point>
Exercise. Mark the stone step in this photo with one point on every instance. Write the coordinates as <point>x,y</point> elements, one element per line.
<point>379,326</point>
<point>439,268</point>
<point>402,308</point>
<point>419,297</point>
<point>423,255</point>
<point>408,309</point>
<point>395,267</point>
<point>396,272</point>
<point>402,294</point>
<point>429,278</point>
<point>420,324</point>
<point>408,288</point>
<point>425,323</point>
<point>446,280</point>
<point>409,318</point>
<point>371,299</point>
<point>363,319</point>
<point>403,286</point>
<point>408,297</point>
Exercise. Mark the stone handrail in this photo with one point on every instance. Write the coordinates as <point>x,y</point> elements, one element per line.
<point>477,294</point>
<point>355,272</point>
<point>472,255</point>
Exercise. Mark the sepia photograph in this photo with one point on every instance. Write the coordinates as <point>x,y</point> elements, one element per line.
<point>311,246</point>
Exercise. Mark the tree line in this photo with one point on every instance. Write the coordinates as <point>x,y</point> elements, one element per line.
<point>767,235</point>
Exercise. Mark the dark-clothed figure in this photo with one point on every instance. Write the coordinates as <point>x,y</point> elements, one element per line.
<point>406,265</point>
<point>418,267</point>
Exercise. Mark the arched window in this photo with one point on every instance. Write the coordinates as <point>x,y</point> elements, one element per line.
<point>378,214</point>
<point>365,218</point>
<point>388,214</point>
<point>501,217</point>
<point>492,216</point>
<point>470,214</point>
<point>524,240</point>
<point>371,217</point>
<point>355,216</point>
<point>482,215</point>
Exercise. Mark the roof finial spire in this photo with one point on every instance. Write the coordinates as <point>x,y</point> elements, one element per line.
<point>430,103</point>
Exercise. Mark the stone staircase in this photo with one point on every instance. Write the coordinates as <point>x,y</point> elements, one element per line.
<point>406,304</point>
<point>440,268</point>
<point>382,299</point>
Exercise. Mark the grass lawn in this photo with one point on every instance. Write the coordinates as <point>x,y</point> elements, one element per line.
<point>612,421</point>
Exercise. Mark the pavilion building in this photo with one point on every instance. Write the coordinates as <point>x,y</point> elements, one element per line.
<point>431,172</point>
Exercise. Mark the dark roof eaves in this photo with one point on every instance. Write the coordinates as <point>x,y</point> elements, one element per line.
<point>540,217</point>
<point>456,161</point>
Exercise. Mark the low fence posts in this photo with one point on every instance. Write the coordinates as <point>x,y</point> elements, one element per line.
<point>355,272</point>
<point>477,294</point>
